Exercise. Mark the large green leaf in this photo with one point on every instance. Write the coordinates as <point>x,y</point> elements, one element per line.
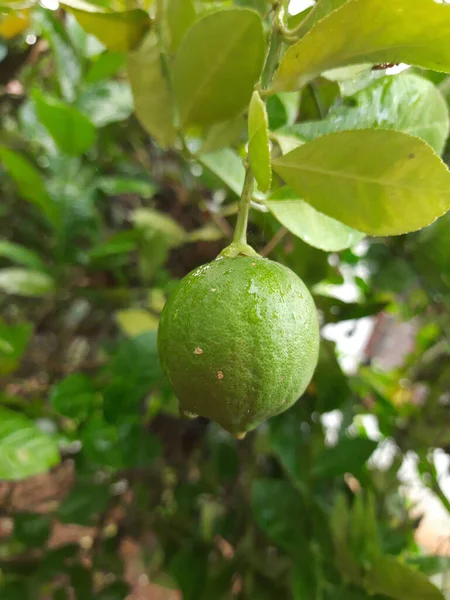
<point>29,181</point>
<point>73,132</point>
<point>318,12</point>
<point>307,223</point>
<point>217,65</point>
<point>390,577</point>
<point>407,103</point>
<point>25,282</point>
<point>258,143</point>
<point>365,31</point>
<point>152,99</point>
<point>379,182</point>
<point>74,397</point>
<point>24,450</point>
<point>119,31</point>
<point>180,15</point>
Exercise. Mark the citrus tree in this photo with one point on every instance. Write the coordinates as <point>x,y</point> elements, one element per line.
<point>143,139</point>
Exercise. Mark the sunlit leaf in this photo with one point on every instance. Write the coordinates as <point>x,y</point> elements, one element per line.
<point>258,143</point>
<point>21,255</point>
<point>227,165</point>
<point>379,182</point>
<point>25,282</point>
<point>370,31</point>
<point>135,321</point>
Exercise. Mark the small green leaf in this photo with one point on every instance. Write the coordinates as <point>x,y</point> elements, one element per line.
<point>151,221</point>
<point>115,591</point>
<point>407,103</point>
<point>331,385</point>
<point>348,456</point>
<point>29,182</point>
<point>370,31</point>
<point>14,340</point>
<point>379,182</point>
<point>222,135</point>
<point>227,166</point>
<point>180,15</point>
<point>73,133</point>
<point>118,31</point>
<point>83,503</point>
<point>311,226</point>
<point>32,529</point>
<point>396,580</point>
<point>118,185</point>
<point>344,558</point>
<point>258,143</point>
<point>189,567</point>
<point>134,321</point>
<point>24,450</point>
<point>152,99</point>
<point>336,310</point>
<point>106,102</point>
<point>73,397</point>
<point>24,282</point>
<point>21,255</point>
<point>105,65</point>
<point>208,86</point>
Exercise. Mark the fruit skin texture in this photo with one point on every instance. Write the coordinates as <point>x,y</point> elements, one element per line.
<point>238,340</point>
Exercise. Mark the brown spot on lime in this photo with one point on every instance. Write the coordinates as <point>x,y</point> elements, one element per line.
<point>219,375</point>
<point>198,351</point>
<point>253,264</point>
<point>412,155</point>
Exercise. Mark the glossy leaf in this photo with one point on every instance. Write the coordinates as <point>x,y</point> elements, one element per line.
<point>208,87</point>
<point>258,143</point>
<point>73,133</point>
<point>118,31</point>
<point>407,103</point>
<point>21,255</point>
<point>396,580</point>
<point>181,15</point>
<point>363,31</point>
<point>152,99</point>
<point>348,456</point>
<point>227,166</point>
<point>311,226</point>
<point>24,450</point>
<point>74,397</point>
<point>29,181</point>
<point>24,282</point>
<point>379,182</point>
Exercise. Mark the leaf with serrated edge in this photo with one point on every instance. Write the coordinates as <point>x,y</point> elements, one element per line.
<point>378,182</point>
<point>416,32</point>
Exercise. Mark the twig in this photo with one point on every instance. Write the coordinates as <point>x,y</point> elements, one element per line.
<point>280,234</point>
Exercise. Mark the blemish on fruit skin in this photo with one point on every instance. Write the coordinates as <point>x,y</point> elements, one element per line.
<point>253,264</point>
<point>219,375</point>
<point>212,290</point>
<point>198,351</point>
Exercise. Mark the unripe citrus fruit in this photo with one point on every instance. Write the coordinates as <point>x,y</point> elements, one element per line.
<point>238,340</point>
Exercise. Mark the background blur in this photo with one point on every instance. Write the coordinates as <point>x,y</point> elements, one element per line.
<point>104,491</point>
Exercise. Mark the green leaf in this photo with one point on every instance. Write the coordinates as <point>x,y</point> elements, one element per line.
<point>330,383</point>
<point>105,65</point>
<point>217,65</point>
<point>24,450</point>
<point>336,310</point>
<point>32,529</point>
<point>189,567</point>
<point>83,503</point>
<point>151,221</point>
<point>106,102</point>
<point>348,456</point>
<point>118,185</point>
<point>135,321</point>
<point>345,560</point>
<point>14,340</point>
<point>396,580</point>
<point>180,15</point>
<point>119,31</point>
<point>258,143</point>
<point>321,9</point>
<point>407,103</point>
<point>370,31</point>
<point>308,224</point>
<point>379,182</point>
<point>152,99</point>
<point>21,255</point>
<point>222,135</point>
<point>278,511</point>
<point>30,183</point>
<point>115,591</point>
<point>73,133</point>
<point>74,397</point>
<point>227,166</point>
<point>24,282</point>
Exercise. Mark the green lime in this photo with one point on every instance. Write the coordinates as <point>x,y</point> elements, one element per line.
<point>238,340</point>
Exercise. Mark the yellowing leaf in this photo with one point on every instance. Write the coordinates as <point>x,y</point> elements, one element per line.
<point>258,143</point>
<point>379,182</point>
<point>366,31</point>
<point>118,31</point>
<point>217,66</point>
<point>13,24</point>
<point>311,226</point>
<point>152,99</point>
<point>135,321</point>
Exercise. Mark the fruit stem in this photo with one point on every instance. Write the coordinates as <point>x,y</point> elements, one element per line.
<point>240,232</point>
